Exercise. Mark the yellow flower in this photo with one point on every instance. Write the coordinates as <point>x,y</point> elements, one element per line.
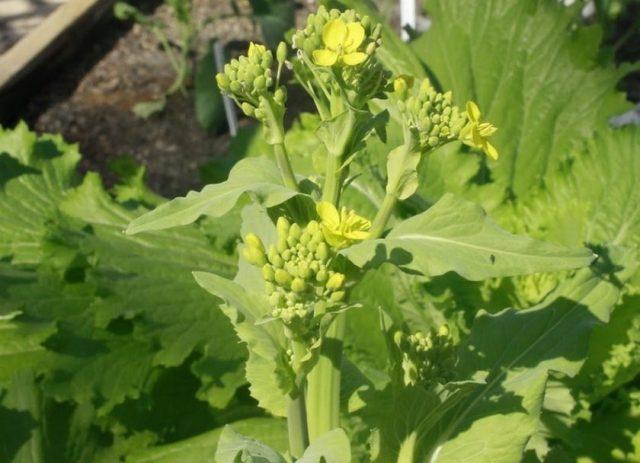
<point>476,133</point>
<point>341,41</point>
<point>342,228</point>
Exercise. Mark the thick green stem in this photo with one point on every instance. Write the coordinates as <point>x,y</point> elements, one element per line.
<point>384,214</point>
<point>288,177</point>
<point>296,413</point>
<point>331,190</point>
<point>323,383</point>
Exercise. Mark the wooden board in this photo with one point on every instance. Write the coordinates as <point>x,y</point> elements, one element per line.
<point>48,37</point>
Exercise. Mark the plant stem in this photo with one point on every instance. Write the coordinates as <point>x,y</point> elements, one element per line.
<point>323,383</point>
<point>331,190</point>
<point>384,214</point>
<point>296,413</point>
<point>288,177</point>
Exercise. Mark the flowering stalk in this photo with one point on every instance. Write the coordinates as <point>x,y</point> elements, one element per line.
<point>302,270</point>
<point>430,120</point>
<point>249,81</point>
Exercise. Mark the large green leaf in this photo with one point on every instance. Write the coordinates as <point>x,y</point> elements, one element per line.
<point>534,75</point>
<point>517,348</point>
<point>258,176</point>
<point>202,448</point>
<point>456,235</point>
<point>34,173</point>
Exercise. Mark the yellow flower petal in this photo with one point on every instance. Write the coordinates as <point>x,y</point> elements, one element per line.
<point>325,57</point>
<point>491,151</point>
<point>487,129</point>
<point>357,235</point>
<point>476,138</point>
<point>354,58</point>
<point>355,37</point>
<point>473,111</point>
<point>334,34</point>
<point>328,214</point>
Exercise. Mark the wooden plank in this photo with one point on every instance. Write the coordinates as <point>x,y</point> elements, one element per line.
<point>46,38</point>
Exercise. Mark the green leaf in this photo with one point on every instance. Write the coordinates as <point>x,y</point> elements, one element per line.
<point>207,98</point>
<point>202,448</point>
<point>535,79</point>
<point>332,447</point>
<point>516,349</point>
<point>265,342</point>
<point>34,173</point>
<point>21,345</point>
<point>22,433</point>
<point>456,235</point>
<point>234,447</point>
<point>258,176</point>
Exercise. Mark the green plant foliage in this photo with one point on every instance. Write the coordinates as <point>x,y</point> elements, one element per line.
<point>434,332</point>
<point>560,92</point>
<point>456,235</point>
<point>90,312</point>
<point>258,176</point>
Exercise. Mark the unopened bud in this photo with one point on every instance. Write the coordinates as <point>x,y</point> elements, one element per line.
<point>298,285</point>
<point>281,52</point>
<point>280,95</point>
<point>282,226</point>
<point>335,281</point>
<point>222,81</point>
<point>321,276</point>
<point>254,256</point>
<point>337,296</point>
<point>322,253</point>
<point>267,272</point>
<point>247,109</point>
<point>252,240</point>
<point>295,231</point>
<point>282,277</point>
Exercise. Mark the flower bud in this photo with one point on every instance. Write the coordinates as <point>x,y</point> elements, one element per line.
<point>280,96</point>
<point>248,109</point>
<point>267,272</point>
<point>321,276</point>
<point>254,256</point>
<point>295,231</point>
<point>335,281</point>
<point>322,253</point>
<point>222,81</point>
<point>303,270</point>
<point>281,52</point>
<point>282,226</point>
<point>298,285</point>
<point>252,240</point>
<point>282,277</point>
<point>337,296</point>
<point>275,298</point>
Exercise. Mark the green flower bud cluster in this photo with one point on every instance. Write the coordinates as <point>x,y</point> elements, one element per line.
<point>432,115</point>
<point>298,280</point>
<point>310,38</point>
<point>426,358</point>
<point>249,81</point>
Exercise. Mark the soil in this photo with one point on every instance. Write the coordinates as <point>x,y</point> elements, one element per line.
<point>90,99</point>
